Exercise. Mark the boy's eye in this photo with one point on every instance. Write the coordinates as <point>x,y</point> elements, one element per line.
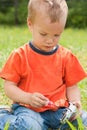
<point>43,34</point>
<point>56,35</point>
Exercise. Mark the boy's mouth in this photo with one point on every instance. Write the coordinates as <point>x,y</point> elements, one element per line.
<point>49,47</point>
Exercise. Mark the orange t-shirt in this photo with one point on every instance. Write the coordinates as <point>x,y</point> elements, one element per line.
<point>46,73</point>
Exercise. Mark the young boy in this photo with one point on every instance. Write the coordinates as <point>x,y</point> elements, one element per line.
<point>41,76</point>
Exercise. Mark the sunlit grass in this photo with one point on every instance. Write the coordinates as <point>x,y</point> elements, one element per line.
<point>6,126</point>
<point>80,125</point>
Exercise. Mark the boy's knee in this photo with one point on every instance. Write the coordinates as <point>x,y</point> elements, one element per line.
<point>17,123</point>
<point>20,124</point>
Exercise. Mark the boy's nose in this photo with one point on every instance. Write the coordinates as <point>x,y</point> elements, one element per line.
<point>50,41</point>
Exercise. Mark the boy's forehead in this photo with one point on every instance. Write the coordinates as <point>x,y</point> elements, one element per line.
<point>46,26</point>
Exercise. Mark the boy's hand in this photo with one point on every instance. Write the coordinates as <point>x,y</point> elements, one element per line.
<point>78,105</point>
<point>37,100</point>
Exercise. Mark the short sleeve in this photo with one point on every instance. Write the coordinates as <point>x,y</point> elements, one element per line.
<point>12,68</point>
<point>74,72</point>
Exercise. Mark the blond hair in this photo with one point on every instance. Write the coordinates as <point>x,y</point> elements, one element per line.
<point>55,9</point>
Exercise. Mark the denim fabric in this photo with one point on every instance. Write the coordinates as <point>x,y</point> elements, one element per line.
<point>84,118</point>
<point>22,118</point>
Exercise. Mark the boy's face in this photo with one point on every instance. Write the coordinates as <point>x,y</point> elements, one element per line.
<point>45,34</point>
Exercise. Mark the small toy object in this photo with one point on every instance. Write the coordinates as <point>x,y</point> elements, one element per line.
<point>49,103</point>
<point>69,113</point>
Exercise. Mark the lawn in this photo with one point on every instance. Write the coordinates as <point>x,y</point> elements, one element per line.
<point>12,37</point>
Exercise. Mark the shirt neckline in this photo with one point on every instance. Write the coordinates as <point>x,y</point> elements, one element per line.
<point>43,52</point>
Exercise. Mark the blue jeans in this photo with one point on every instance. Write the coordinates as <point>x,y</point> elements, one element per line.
<point>22,118</point>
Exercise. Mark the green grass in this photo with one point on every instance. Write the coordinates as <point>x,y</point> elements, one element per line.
<point>6,126</point>
<point>80,125</point>
<point>12,37</point>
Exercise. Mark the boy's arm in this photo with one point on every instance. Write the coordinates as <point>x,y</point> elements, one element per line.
<point>73,95</point>
<point>17,95</point>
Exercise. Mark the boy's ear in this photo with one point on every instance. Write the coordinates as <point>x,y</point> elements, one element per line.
<point>29,23</point>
